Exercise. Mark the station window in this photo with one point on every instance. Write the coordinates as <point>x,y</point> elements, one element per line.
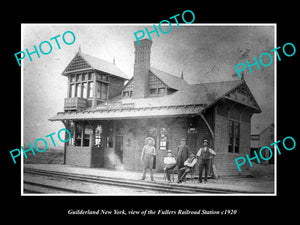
<point>161,91</point>
<point>81,85</point>
<point>90,89</point>
<point>72,78</point>
<point>87,131</point>
<point>78,77</point>
<point>153,91</point>
<point>237,137</point>
<point>125,93</point>
<point>72,90</point>
<point>90,76</point>
<point>234,136</point>
<point>80,133</point>
<point>101,90</point>
<point>84,90</point>
<point>78,90</point>
<point>104,91</point>
<point>84,77</point>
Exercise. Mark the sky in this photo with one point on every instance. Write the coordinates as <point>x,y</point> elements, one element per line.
<point>204,53</point>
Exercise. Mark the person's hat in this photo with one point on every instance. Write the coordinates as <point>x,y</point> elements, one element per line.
<point>169,151</point>
<point>149,138</point>
<point>205,140</point>
<point>183,139</point>
<point>192,153</point>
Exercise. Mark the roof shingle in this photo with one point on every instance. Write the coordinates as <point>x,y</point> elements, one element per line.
<point>169,79</point>
<point>102,65</point>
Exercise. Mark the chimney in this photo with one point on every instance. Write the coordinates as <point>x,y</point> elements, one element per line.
<point>141,68</point>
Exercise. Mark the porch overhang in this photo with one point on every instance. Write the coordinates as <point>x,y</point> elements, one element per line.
<point>130,113</point>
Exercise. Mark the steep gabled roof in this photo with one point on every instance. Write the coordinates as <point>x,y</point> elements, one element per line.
<point>170,80</point>
<point>90,62</point>
<point>167,79</point>
<point>205,94</point>
<point>213,91</point>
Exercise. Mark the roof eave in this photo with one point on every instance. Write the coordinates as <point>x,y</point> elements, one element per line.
<point>256,109</point>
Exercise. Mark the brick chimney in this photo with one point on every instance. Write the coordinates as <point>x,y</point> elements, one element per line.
<point>141,68</point>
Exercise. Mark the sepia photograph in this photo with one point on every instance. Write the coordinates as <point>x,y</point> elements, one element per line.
<point>105,113</point>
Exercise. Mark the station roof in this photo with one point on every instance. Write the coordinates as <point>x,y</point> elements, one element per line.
<point>129,113</point>
<point>170,80</point>
<point>83,61</point>
<point>187,101</point>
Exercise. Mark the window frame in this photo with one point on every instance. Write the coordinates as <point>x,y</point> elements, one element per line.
<point>234,136</point>
<point>78,132</point>
<point>76,82</point>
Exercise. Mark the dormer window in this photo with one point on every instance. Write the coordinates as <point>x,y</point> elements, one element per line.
<point>128,90</point>
<point>127,94</point>
<point>158,91</point>
<point>161,91</point>
<point>156,87</point>
<point>153,91</point>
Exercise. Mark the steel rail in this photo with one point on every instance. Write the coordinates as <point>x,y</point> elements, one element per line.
<point>135,184</point>
<point>35,184</point>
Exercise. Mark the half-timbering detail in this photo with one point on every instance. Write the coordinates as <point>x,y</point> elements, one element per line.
<point>77,64</point>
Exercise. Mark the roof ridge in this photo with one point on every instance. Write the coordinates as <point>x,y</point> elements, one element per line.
<point>164,72</point>
<point>227,81</point>
<point>96,58</point>
<point>109,65</point>
<point>169,79</point>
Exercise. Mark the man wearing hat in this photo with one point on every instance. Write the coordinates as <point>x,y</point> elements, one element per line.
<point>204,154</point>
<point>182,155</point>
<point>170,164</point>
<point>147,157</point>
<point>188,166</point>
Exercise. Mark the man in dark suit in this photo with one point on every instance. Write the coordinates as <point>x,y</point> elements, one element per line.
<point>182,155</point>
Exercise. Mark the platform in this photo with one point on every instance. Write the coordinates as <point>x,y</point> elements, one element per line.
<point>238,184</point>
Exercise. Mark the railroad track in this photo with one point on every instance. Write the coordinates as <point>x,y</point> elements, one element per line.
<point>34,187</point>
<point>134,184</point>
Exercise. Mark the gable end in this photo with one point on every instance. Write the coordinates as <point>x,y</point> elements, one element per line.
<point>78,63</point>
<point>242,94</point>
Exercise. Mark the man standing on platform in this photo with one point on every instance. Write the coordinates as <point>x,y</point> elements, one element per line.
<point>204,154</point>
<point>147,157</point>
<point>182,156</point>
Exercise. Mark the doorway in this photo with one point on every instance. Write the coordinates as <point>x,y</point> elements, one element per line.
<point>119,140</point>
<point>119,148</point>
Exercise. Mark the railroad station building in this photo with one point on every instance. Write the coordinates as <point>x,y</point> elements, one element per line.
<point>109,115</point>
